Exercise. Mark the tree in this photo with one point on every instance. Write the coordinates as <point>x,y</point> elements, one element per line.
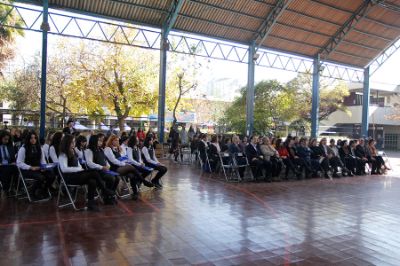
<point>120,78</point>
<point>8,34</point>
<point>331,97</point>
<point>273,103</point>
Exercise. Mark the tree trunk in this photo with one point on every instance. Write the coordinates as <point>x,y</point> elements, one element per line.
<point>175,120</point>
<point>121,123</point>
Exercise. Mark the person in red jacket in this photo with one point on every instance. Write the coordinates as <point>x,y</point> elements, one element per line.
<point>140,134</point>
<point>285,156</point>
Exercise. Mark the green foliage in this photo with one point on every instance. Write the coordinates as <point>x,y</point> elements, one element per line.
<point>291,102</point>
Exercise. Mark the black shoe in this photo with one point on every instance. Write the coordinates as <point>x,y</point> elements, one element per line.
<point>92,206</point>
<point>156,183</point>
<point>135,196</point>
<point>147,183</point>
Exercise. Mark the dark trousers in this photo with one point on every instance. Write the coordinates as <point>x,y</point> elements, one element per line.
<point>276,166</point>
<point>258,166</point>
<point>6,174</point>
<point>241,161</point>
<point>91,178</point>
<point>161,170</point>
<point>350,163</point>
<point>289,166</point>
<point>130,172</point>
<point>43,179</point>
<point>377,163</point>
<point>335,163</point>
<point>111,182</point>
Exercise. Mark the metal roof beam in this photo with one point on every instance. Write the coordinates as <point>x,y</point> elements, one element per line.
<point>269,23</point>
<point>342,32</point>
<point>384,56</point>
<point>169,23</point>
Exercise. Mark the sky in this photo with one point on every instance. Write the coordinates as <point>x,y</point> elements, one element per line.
<point>224,74</point>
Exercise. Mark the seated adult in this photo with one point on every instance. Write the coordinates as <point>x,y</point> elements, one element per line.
<point>335,159</point>
<point>115,156</point>
<point>213,153</point>
<point>304,153</point>
<point>74,174</point>
<point>271,155</point>
<point>285,157</point>
<point>8,168</point>
<point>203,150</point>
<point>361,153</point>
<point>237,152</point>
<point>29,159</point>
<point>256,160</point>
<point>379,166</point>
<point>347,158</point>
<point>96,159</point>
<point>151,160</point>
<point>319,156</point>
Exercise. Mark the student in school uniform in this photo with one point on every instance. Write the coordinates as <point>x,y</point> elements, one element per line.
<point>135,158</point>
<point>96,159</point>
<point>29,159</point>
<point>8,168</point>
<point>74,174</point>
<point>150,159</point>
<point>115,156</point>
<point>54,150</point>
<point>80,147</point>
<point>46,145</point>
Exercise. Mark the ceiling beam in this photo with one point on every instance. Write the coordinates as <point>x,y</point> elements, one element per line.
<point>268,24</point>
<point>169,23</point>
<point>361,12</point>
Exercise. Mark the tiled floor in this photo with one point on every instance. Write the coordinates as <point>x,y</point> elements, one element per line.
<point>203,221</point>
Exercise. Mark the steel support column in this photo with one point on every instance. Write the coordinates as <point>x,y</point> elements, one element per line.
<point>315,98</point>
<point>45,28</point>
<point>365,106</point>
<point>250,90</point>
<point>162,85</point>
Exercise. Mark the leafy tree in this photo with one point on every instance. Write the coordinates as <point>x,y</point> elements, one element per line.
<point>8,34</point>
<point>120,78</point>
<point>273,102</point>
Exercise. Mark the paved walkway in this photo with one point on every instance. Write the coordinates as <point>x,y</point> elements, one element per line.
<point>199,220</point>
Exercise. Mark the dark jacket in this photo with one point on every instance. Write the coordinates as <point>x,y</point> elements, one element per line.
<point>11,154</point>
<point>252,152</point>
<point>360,151</point>
<point>203,149</point>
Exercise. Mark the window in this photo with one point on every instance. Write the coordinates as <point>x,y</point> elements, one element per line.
<point>391,141</point>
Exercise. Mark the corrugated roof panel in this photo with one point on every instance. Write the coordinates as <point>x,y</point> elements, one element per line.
<point>322,16</point>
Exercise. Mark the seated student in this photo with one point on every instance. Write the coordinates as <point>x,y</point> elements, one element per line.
<point>54,150</point>
<point>80,147</point>
<point>123,142</point>
<point>335,159</point>
<point>135,158</point>
<point>150,159</point>
<point>30,158</point>
<point>7,161</point>
<point>256,160</point>
<point>96,159</point>
<point>347,158</point>
<point>213,153</point>
<point>361,154</point>
<point>319,158</point>
<point>238,153</point>
<point>114,155</point>
<point>304,153</point>
<point>74,174</point>
<point>285,157</point>
<point>378,162</point>
<point>46,145</point>
<point>271,155</point>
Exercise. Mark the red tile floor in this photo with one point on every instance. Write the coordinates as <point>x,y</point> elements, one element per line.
<point>198,220</point>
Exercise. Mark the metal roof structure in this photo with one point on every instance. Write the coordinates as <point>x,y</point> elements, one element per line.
<point>352,33</point>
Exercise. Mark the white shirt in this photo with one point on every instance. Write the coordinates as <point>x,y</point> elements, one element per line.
<point>45,149</point>
<point>79,153</point>
<point>21,159</point>
<point>217,146</point>
<point>146,155</point>
<point>89,160</point>
<point>111,157</point>
<point>53,154</point>
<point>130,157</point>
<point>124,149</point>
<point>63,163</point>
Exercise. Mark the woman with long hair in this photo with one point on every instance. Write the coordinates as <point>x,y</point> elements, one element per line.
<point>135,158</point>
<point>115,156</point>
<point>80,147</point>
<point>74,174</point>
<point>96,159</point>
<point>29,160</point>
<point>377,161</point>
<point>54,150</point>
<point>150,160</point>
